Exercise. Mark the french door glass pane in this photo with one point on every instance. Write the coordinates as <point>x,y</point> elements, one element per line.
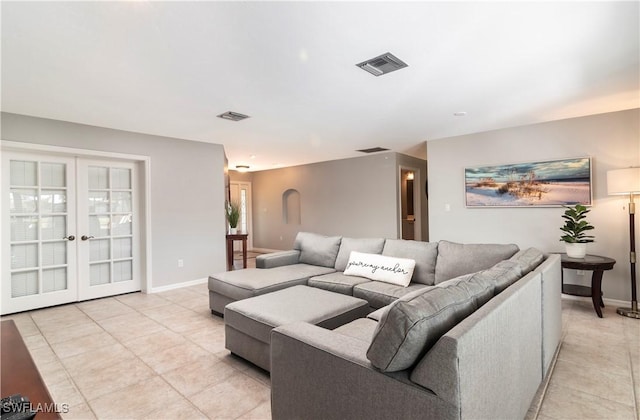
<point>24,173</point>
<point>122,271</point>
<point>99,250</point>
<point>120,201</point>
<point>54,279</point>
<point>54,253</point>
<point>24,228</point>
<point>24,256</point>
<point>98,201</point>
<point>99,274</point>
<point>22,200</point>
<point>99,226</point>
<point>120,179</point>
<point>24,283</point>
<point>122,248</point>
<point>121,225</point>
<point>98,178</point>
<point>53,201</point>
<point>53,227</point>
<point>52,174</point>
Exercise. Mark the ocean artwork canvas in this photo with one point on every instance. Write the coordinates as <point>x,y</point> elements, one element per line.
<point>549,183</point>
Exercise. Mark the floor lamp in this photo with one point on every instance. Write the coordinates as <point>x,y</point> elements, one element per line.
<point>627,182</point>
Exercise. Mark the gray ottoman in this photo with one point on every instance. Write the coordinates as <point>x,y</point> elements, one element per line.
<point>248,322</point>
<point>230,286</point>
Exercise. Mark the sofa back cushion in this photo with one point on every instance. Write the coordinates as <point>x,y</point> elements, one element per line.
<point>423,253</point>
<point>528,259</point>
<point>366,245</point>
<point>458,259</point>
<point>415,322</point>
<point>501,275</point>
<point>317,249</point>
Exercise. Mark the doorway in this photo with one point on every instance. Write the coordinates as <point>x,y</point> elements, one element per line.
<point>240,192</point>
<point>70,229</point>
<point>410,204</point>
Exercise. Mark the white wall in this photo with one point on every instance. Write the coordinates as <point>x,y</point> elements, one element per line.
<point>187,190</point>
<point>612,140</point>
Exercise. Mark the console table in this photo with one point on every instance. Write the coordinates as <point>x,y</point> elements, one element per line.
<point>236,237</point>
<point>594,263</point>
<point>20,374</point>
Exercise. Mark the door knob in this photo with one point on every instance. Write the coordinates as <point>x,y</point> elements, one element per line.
<point>70,238</point>
<point>86,238</point>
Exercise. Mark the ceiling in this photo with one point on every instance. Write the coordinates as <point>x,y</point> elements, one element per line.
<point>168,68</point>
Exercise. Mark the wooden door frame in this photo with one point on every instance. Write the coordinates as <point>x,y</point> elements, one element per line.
<point>145,194</point>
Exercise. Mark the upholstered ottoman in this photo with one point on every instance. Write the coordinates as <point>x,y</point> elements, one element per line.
<point>248,322</point>
<point>230,286</point>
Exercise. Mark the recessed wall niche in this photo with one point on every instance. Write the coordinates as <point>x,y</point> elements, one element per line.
<point>291,207</point>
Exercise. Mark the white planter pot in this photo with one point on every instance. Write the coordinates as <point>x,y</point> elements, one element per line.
<point>576,250</point>
<point>233,231</point>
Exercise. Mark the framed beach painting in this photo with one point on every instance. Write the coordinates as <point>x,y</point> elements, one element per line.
<point>550,183</point>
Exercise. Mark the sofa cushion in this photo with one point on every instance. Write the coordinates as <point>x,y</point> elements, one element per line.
<point>486,283</point>
<point>380,294</point>
<point>415,322</point>
<point>377,267</point>
<point>317,249</point>
<point>458,259</point>
<point>258,315</point>
<point>361,329</point>
<point>367,245</point>
<point>528,259</point>
<point>502,275</point>
<point>337,282</point>
<point>377,314</point>
<point>423,253</point>
<point>242,284</point>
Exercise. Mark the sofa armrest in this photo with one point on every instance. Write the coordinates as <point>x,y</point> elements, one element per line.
<point>278,259</point>
<point>320,374</point>
<point>551,272</point>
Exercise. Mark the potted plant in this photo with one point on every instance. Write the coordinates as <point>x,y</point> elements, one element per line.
<point>575,228</point>
<point>232,212</point>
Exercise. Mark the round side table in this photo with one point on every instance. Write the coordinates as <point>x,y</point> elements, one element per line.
<point>594,263</point>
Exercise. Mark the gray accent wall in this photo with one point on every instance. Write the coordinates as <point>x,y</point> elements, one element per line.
<point>187,190</point>
<point>355,197</point>
<point>611,139</point>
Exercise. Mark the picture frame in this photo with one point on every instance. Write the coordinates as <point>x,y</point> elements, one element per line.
<point>549,183</point>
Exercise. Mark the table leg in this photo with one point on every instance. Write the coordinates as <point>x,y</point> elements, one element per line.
<point>244,253</point>
<point>596,291</point>
<point>229,254</point>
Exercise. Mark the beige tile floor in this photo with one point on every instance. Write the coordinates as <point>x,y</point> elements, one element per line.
<point>162,356</point>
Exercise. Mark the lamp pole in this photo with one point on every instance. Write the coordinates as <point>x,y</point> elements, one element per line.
<point>633,311</point>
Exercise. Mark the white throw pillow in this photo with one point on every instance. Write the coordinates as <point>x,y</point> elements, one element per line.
<point>380,268</point>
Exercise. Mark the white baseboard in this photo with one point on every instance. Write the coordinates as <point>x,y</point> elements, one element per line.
<point>178,285</point>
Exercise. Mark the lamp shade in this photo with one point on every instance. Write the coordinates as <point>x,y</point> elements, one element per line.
<point>623,181</point>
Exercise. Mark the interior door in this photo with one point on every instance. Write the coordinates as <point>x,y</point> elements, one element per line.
<point>108,228</point>
<point>39,245</point>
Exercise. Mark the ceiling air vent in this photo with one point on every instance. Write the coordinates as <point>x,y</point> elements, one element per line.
<point>232,116</point>
<point>372,150</point>
<point>382,64</point>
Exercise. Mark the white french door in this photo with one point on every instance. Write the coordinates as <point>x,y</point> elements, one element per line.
<point>38,235</point>
<point>108,228</point>
<point>69,230</point>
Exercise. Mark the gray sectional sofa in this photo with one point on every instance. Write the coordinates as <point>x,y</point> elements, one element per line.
<point>472,335</point>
